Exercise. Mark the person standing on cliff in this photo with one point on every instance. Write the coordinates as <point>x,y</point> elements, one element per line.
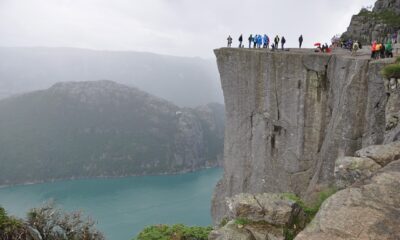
<point>300,41</point>
<point>283,41</point>
<point>389,49</point>
<point>276,40</point>
<point>240,40</point>
<point>229,41</point>
<point>250,40</point>
<point>255,41</point>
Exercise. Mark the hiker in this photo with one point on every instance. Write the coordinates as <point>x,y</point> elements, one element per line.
<point>373,50</point>
<point>355,48</point>
<point>255,41</point>
<point>300,41</point>
<point>283,41</point>
<point>240,40</point>
<point>383,51</point>
<point>389,49</point>
<point>250,40</point>
<point>229,41</point>
<point>276,40</point>
<point>394,38</point>
<point>259,41</point>
<point>267,42</point>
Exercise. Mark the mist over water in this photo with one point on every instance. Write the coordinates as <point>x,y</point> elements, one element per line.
<point>124,206</point>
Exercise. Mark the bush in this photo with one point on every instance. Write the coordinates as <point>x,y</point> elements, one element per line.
<point>11,228</point>
<point>312,208</point>
<point>391,71</point>
<point>54,224</point>
<point>177,232</point>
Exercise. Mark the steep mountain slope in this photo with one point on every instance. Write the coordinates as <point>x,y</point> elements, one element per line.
<point>184,81</point>
<point>372,25</point>
<point>102,128</point>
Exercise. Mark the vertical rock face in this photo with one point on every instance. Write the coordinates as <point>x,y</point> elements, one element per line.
<point>289,115</point>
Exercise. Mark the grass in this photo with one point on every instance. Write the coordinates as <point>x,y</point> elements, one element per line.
<point>392,71</point>
<point>311,209</point>
<point>242,221</point>
<point>178,231</point>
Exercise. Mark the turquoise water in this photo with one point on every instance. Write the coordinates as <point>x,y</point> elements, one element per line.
<point>124,206</point>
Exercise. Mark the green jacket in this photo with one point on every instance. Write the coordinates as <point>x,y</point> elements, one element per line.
<point>388,46</point>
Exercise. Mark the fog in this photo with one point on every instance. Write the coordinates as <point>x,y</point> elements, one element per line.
<point>174,27</point>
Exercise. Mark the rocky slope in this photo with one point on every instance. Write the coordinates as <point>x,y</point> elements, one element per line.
<point>369,208</point>
<point>101,128</point>
<point>290,115</point>
<point>376,24</point>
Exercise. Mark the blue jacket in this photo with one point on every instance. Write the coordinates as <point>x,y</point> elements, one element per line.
<point>266,39</point>
<point>259,40</point>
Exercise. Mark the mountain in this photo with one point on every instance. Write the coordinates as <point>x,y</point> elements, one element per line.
<point>102,128</point>
<point>368,26</point>
<point>185,81</point>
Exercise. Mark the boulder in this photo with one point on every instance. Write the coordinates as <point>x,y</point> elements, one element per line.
<point>370,210</point>
<point>251,231</point>
<point>349,170</point>
<point>231,231</point>
<point>381,154</point>
<point>271,208</point>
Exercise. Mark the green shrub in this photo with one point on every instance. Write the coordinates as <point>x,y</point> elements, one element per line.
<point>10,227</point>
<point>311,209</point>
<point>391,71</point>
<point>178,231</point>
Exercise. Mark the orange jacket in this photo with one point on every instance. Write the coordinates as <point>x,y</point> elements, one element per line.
<point>373,48</point>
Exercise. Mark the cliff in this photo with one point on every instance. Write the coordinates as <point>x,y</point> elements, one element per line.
<point>103,129</point>
<point>290,115</point>
<point>367,26</point>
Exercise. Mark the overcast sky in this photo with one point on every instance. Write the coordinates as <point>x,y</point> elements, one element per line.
<point>174,27</point>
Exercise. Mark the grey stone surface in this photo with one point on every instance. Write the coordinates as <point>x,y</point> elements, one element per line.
<point>381,154</point>
<point>349,170</point>
<point>231,231</point>
<point>274,209</point>
<point>251,231</point>
<point>290,115</point>
<point>369,211</point>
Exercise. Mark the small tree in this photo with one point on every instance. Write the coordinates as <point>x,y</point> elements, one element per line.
<point>53,224</point>
<point>11,228</point>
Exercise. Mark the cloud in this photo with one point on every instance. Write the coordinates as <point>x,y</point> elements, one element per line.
<point>175,27</point>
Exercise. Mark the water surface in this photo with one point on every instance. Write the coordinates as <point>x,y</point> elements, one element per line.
<point>124,206</point>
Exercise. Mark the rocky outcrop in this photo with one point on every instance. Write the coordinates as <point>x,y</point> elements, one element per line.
<point>290,115</point>
<point>376,24</point>
<point>259,217</point>
<point>349,170</point>
<point>368,209</point>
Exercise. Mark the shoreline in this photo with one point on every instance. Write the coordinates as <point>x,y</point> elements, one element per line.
<point>109,177</point>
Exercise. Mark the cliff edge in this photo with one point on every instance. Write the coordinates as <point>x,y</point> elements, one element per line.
<point>290,115</point>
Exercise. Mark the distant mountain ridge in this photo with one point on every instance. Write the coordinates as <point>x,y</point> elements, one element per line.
<point>184,81</point>
<point>103,129</point>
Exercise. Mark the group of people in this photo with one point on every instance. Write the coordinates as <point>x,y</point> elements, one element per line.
<point>258,41</point>
<point>381,50</point>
